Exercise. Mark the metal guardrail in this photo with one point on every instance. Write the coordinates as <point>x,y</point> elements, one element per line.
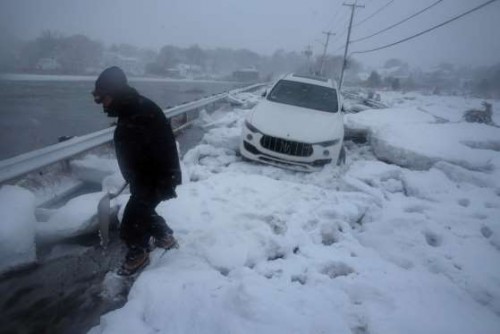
<point>23,164</point>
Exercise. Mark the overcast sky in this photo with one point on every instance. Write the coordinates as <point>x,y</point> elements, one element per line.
<point>266,25</point>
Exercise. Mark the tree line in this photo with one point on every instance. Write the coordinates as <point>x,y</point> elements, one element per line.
<point>69,54</point>
<point>52,52</point>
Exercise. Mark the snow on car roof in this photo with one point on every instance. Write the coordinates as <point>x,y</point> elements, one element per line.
<point>310,79</point>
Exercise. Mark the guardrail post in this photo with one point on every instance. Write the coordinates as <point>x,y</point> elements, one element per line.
<point>66,165</point>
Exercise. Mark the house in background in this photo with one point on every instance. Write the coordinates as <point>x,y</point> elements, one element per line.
<point>130,65</point>
<point>47,65</point>
<point>246,75</point>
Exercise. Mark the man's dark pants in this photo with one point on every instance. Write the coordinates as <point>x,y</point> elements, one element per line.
<point>140,221</point>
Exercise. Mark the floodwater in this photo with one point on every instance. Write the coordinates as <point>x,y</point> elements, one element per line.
<point>36,111</point>
<point>62,295</point>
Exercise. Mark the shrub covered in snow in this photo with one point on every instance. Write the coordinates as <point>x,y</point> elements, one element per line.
<point>478,115</point>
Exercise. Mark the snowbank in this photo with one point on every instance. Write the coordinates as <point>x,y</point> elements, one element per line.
<point>17,227</point>
<point>419,146</point>
<point>416,139</point>
<point>77,217</point>
<point>446,108</point>
<point>94,169</point>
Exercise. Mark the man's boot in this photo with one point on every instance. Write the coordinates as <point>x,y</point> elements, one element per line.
<point>166,242</point>
<point>135,260</point>
<point>162,233</point>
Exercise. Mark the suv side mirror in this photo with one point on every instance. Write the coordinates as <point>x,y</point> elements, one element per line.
<point>264,94</point>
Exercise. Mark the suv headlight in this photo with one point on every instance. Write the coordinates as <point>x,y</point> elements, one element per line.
<point>251,127</point>
<point>328,143</point>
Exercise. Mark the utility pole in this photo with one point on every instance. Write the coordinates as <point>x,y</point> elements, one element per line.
<point>328,34</point>
<point>308,53</point>
<point>344,63</point>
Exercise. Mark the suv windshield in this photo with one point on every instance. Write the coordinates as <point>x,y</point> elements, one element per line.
<point>304,95</point>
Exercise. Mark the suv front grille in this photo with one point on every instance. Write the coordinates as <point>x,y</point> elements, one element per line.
<point>287,147</point>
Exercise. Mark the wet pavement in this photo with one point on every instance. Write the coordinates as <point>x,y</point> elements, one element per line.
<point>63,294</point>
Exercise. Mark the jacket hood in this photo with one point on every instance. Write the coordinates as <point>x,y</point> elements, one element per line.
<point>110,82</point>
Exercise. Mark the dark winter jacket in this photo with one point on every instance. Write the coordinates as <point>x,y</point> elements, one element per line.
<point>145,145</point>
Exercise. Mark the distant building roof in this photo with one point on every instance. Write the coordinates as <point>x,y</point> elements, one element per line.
<point>246,74</point>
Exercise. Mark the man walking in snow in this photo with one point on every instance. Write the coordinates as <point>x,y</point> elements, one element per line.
<point>147,155</point>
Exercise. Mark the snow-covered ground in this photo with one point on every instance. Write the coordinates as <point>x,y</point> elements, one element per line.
<point>409,244</point>
<point>405,238</point>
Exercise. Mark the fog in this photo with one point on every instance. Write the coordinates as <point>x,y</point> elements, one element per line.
<point>264,26</point>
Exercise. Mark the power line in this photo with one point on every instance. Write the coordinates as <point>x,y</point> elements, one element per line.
<point>339,36</point>
<point>339,23</point>
<point>427,30</point>
<point>375,13</point>
<point>342,33</point>
<point>398,23</point>
<point>336,16</point>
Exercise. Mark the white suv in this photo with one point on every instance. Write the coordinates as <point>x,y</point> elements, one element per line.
<point>299,125</point>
